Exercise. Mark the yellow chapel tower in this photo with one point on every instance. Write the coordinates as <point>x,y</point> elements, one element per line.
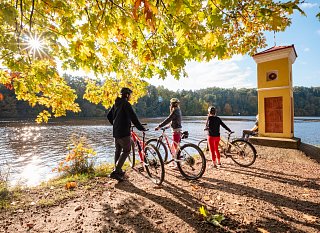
<point>275,91</point>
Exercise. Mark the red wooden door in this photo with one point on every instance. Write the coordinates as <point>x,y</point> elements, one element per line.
<point>273,114</point>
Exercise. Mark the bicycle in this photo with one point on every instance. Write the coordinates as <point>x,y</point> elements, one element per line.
<point>239,150</point>
<point>150,157</point>
<point>190,159</point>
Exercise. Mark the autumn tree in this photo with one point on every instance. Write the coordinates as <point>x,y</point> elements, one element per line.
<point>122,42</point>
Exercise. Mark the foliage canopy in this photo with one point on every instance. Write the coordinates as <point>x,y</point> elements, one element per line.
<point>123,42</point>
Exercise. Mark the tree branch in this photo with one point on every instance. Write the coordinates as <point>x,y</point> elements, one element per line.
<point>21,12</point>
<point>4,55</point>
<point>153,54</point>
<point>86,9</point>
<point>31,14</point>
<point>118,6</point>
<point>98,4</point>
<point>164,6</point>
<point>103,13</point>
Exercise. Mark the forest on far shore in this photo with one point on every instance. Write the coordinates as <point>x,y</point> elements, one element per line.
<point>228,101</point>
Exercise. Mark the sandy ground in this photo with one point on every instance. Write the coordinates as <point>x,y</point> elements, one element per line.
<point>280,192</point>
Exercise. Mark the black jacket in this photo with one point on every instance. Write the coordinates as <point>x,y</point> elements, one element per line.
<point>213,126</point>
<point>175,119</point>
<point>120,116</point>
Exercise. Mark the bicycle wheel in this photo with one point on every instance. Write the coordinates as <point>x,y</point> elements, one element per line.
<point>191,161</point>
<point>131,157</point>
<point>203,144</point>
<point>161,146</point>
<point>221,146</point>
<point>154,164</point>
<point>242,152</point>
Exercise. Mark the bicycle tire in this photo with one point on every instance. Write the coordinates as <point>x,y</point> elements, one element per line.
<point>161,146</point>
<point>131,156</point>
<point>203,145</point>
<point>154,161</point>
<point>187,155</point>
<point>245,154</point>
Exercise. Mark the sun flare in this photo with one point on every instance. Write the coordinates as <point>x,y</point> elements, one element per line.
<point>35,44</point>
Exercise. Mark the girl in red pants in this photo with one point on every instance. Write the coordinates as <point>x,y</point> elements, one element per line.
<point>174,119</point>
<point>213,127</point>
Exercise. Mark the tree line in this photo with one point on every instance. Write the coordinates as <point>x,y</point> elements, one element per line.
<point>228,102</point>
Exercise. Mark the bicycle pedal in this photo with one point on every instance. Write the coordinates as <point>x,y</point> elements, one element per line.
<point>141,169</point>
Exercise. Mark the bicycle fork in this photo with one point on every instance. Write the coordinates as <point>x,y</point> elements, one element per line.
<point>142,157</point>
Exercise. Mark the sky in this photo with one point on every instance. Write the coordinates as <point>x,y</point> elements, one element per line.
<point>240,71</point>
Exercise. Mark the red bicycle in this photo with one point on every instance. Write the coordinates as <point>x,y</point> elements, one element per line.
<point>189,157</point>
<point>149,157</point>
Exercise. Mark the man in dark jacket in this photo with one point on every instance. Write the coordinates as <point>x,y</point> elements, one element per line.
<point>120,116</point>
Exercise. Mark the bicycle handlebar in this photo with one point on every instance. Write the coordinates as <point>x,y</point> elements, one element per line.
<point>229,133</point>
<point>143,124</point>
<point>164,128</point>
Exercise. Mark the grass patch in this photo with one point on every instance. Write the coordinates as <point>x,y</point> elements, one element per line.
<point>62,180</point>
<point>47,202</point>
<point>52,192</point>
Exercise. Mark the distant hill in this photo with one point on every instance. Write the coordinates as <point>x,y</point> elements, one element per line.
<point>229,102</point>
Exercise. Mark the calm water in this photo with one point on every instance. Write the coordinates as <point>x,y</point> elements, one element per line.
<point>31,151</point>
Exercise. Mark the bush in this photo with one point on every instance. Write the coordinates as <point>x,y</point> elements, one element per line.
<point>79,160</point>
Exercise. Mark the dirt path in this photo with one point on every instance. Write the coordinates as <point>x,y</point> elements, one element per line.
<point>279,193</point>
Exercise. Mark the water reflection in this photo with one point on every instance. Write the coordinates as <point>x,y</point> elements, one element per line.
<point>32,151</point>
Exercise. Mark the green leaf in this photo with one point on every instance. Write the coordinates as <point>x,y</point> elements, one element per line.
<point>216,219</point>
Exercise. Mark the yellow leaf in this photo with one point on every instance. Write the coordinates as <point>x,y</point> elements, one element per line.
<point>203,211</point>
<point>153,9</point>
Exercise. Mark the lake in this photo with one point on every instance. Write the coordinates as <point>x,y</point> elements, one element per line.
<point>31,151</point>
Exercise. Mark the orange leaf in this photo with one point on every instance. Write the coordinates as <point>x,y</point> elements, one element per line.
<point>135,8</point>
<point>134,44</point>
<point>71,185</point>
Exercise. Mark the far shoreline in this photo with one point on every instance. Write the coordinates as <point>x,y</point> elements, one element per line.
<point>103,120</point>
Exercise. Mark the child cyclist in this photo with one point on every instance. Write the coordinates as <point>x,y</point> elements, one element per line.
<point>175,122</point>
<point>213,127</point>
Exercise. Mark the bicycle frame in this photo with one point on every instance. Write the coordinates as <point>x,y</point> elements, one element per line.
<point>225,144</point>
<point>140,143</point>
<point>167,141</point>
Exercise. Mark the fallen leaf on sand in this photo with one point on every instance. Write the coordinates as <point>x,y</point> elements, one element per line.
<point>158,221</point>
<point>78,208</point>
<point>262,230</point>
<point>194,188</point>
<point>30,225</point>
<point>70,185</point>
